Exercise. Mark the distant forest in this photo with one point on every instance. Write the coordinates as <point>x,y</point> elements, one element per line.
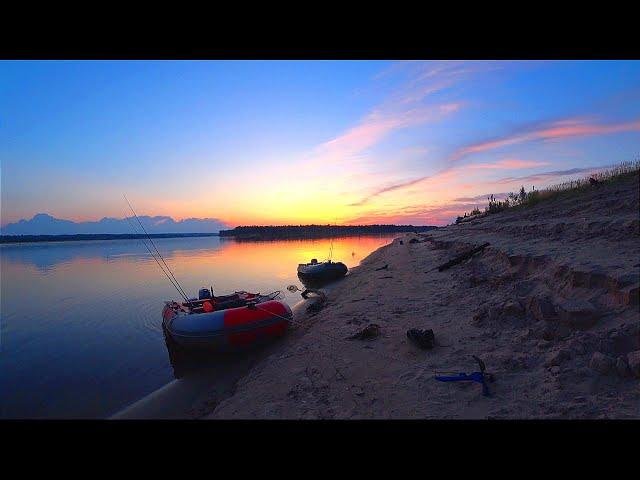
<point>316,231</point>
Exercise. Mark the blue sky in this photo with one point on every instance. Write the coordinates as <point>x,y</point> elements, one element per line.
<point>302,141</point>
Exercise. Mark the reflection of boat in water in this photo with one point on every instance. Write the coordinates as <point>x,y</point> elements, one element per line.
<point>187,362</point>
<point>315,273</point>
<point>225,323</point>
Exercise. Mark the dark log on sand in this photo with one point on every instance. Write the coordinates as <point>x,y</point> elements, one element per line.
<point>462,257</point>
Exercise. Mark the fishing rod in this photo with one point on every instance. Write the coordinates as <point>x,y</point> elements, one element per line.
<point>331,249</point>
<point>154,257</point>
<point>176,284</point>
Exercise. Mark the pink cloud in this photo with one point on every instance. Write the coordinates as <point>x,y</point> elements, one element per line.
<point>375,127</point>
<point>508,163</point>
<point>452,173</point>
<point>553,131</point>
<point>404,108</point>
<point>446,213</point>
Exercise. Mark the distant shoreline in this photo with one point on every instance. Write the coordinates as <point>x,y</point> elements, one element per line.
<point>316,231</point>
<point>289,232</point>
<point>94,236</point>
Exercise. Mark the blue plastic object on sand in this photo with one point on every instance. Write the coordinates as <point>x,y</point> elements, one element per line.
<point>480,377</point>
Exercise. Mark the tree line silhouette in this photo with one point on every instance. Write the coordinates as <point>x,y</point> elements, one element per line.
<point>317,231</point>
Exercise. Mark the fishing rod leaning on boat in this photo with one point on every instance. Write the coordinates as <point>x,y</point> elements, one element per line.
<point>224,323</point>
<point>169,275</point>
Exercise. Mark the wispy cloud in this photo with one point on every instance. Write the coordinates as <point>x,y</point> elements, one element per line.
<point>411,104</point>
<point>375,127</point>
<point>389,188</point>
<point>444,175</point>
<point>573,127</point>
<point>482,197</point>
<point>439,177</point>
<point>544,132</point>
<point>445,213</point>
<point>427,78</point>
<point>507,164</point>
<point>543,176</point>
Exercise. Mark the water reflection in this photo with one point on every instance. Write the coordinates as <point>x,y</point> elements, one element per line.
<point>80,326</point>
<point>46,255</point>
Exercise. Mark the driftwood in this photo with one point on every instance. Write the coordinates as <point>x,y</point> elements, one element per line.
<point>382,268</point>
<point>462,257</point>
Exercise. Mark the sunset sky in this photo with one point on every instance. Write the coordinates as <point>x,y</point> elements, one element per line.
<point>282,142</point>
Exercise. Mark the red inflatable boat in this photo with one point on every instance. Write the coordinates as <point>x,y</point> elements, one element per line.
<point>230,322</point>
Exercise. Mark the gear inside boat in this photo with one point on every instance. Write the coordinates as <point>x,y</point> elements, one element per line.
<point>228,322</point>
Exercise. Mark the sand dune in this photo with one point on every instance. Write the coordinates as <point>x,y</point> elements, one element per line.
<point>551,306</point>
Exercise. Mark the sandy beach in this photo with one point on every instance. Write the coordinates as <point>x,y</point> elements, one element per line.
<point>550,306</point>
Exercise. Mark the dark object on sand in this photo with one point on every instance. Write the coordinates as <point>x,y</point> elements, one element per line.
<point>382,268</point>
<point>593,182</point>
<point>388,276</point>
<point>425,339</point>
<point>480,377</point>
<point>318,300</point>
<point>401,242</point>
<point>370,331</point>
<point>318,293</point>
<point>462,257</point>
<point>318,272</point>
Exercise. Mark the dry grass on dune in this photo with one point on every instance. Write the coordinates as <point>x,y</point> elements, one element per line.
<point>572,187</point>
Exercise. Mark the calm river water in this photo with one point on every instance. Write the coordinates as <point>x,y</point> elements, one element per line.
<point>80,326</point>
